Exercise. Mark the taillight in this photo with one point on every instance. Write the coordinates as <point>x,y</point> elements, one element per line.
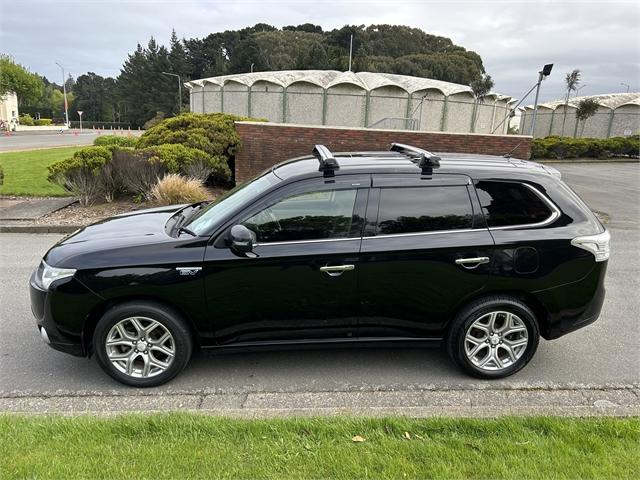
<point>598,244</point>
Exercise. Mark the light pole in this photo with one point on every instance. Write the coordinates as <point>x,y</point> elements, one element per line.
<point>64,91</point>
<point>80,112</point>
<point>625,85</point>
<point>578,89</point>
<point>179,90</point>
<point>542,74</point>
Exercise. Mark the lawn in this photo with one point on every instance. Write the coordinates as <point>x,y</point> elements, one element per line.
<point>25,173</point>
<point>189,446</point>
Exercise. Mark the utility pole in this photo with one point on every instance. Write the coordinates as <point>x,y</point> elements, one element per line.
<point>625,85</point>
<point>64,92</point>
<point>350,50</point>
<point>542,74</point>
<point>179,90</point>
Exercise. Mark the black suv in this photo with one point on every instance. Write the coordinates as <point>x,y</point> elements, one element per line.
<point>485,254</point>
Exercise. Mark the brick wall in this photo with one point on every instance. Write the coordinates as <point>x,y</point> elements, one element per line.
<point>265,144</point>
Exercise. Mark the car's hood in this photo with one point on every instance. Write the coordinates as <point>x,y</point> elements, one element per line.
<point>135,229</point>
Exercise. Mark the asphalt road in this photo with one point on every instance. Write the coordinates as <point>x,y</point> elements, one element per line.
<point>606,353</point>
<point>34,140</point>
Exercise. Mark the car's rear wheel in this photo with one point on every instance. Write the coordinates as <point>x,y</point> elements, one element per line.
<point>494,337</point>
<point>142,344</point>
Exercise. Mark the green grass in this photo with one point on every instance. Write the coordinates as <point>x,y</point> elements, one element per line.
<point>189,446</point>
<point>25,173</point>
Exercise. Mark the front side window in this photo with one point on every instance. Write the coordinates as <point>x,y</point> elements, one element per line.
<point>511,204</point>
<point>424,209</point>
<point>316,215</point>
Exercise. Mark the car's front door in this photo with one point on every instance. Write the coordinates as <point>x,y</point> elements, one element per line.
<point>300,280</point>
<point>425,250</point>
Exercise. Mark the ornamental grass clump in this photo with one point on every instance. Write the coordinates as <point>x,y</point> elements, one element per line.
<point>175,189</point>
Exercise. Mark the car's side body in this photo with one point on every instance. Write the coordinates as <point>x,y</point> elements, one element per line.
<point>402,286</point>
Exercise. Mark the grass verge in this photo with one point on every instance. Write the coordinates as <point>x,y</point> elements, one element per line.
<point>25,173</point>
<point>189,446</point>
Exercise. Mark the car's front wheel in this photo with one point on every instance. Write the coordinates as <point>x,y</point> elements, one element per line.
<point>142,344</point>
<point>494,337</point>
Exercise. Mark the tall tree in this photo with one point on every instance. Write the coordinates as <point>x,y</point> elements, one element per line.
<point>571,81</point>
<point>587,108</point>
<point>480,87</point>
<point>16,78</point>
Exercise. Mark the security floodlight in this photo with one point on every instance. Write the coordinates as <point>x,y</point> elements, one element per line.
<point>542,74</point>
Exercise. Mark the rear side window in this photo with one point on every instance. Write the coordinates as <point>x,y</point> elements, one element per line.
<point>508,204</point>
<point>424,209</point>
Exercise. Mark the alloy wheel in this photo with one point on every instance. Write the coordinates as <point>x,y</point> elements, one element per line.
<point>496,340</point>
<point>140,347</point>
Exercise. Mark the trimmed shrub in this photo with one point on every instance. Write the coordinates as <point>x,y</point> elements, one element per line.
<point>191,162</point>
<point>567,147</point>
<point>174,189</point>
<point>212,133</point>
<point>26,119</point>
<point>82,173</point>
<point>158,117</point>
<point>41,122</point>
<point>115,140</point>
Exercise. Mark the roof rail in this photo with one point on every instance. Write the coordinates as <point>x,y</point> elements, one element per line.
<point>426,159</point>
<point>327,162</point>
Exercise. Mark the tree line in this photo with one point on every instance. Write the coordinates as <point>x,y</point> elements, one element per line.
<point>142,90</point>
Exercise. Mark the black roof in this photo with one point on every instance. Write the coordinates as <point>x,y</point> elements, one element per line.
<point>396,162</point>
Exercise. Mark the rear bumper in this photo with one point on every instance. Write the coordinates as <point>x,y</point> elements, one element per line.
<point>574,305</point>
<point>57,336</point>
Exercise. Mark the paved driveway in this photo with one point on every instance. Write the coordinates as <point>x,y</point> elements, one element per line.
<point>605,353</point>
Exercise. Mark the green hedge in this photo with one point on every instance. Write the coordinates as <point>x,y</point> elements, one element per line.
<point>26,119</point>
<point>43,122</point>
<point>213,133</point>
<point>115,140</point>
<point>566,147</point>
<point>89,158</point>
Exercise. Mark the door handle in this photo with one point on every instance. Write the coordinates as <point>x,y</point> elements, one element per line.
<point>471,263</point>
<point>336,270</point>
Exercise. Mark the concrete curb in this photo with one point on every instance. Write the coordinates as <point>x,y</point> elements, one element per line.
<point>420,404</point>
<point>39,228</point>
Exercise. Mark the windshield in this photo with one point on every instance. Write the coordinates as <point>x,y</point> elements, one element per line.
<point>204,221</point>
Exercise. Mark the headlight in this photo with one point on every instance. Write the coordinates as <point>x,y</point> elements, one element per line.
<point>48,274</point>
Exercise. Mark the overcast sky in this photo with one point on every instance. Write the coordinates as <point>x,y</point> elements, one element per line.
<point>514,38</point>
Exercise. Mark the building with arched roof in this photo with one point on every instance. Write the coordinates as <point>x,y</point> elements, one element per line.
<point>618,115</point>
<point>363,99</point>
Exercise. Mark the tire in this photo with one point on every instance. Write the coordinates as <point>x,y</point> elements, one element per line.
<point>502,355</point>
<point>149,343</point>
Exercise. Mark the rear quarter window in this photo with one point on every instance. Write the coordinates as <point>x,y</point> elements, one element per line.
<point>510,204</point>
<point>423,209</point>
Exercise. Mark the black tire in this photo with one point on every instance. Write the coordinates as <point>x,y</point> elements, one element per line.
<point>170,320</point>
<point>455,339</point>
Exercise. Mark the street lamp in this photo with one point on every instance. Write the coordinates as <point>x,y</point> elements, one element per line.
<point>578,89</point>
<point>625,85</point>
<point>64,91</point>
<point>179,90</point>
<point>542,74</point>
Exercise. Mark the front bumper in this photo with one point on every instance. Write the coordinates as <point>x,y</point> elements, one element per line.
<point>60,313</point>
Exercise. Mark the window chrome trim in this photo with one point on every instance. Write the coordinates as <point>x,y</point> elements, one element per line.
<point>555,212</point>
<point>417,234</point>
<point>294,242</point>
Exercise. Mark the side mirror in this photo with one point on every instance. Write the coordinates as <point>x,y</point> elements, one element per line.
<point>242,239</point>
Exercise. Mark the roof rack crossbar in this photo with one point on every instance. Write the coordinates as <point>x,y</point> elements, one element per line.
<point>425,159</point>
<point>326,160</point>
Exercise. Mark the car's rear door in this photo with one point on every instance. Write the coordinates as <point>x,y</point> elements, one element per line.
<point>425,250</point>
<point>301,281</point>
